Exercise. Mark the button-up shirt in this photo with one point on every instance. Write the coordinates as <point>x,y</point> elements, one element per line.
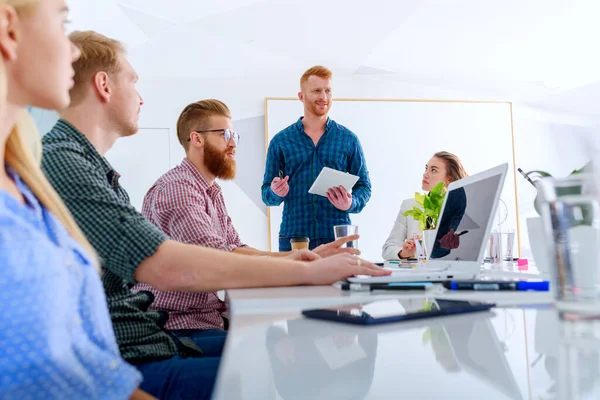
<point>294,153</point>
<point>56,338</point>
<point>190,210</point>
<point>121,236</point>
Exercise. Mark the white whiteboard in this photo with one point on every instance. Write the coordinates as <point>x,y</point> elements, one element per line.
<point>398,138</point>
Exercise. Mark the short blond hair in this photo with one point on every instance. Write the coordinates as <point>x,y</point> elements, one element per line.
<point>318,70</point>
<point>195,116</point>
<point>98,53</point>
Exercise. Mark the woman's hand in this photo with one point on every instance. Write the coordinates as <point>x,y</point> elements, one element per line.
<point>409,249</point>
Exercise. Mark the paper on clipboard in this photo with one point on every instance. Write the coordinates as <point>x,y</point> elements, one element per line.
<point>329,178</point>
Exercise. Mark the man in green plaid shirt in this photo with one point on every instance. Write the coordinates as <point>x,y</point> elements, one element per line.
<point>105,106</point>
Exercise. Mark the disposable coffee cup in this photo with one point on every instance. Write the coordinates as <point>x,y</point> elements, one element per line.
<point>299,243</point>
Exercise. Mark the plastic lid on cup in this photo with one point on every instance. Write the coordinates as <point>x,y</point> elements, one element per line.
<point>299,240</point>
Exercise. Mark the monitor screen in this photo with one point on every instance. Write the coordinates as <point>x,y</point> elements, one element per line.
<point>463,223</point>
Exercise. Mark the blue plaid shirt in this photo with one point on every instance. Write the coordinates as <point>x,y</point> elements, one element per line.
<point>294,152</point>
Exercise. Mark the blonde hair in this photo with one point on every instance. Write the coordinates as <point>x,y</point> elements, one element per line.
<point>454,167</point>
<point>98,53</point>
<point>318,70</point>
<point>195,117</point>
<point>23,141</point>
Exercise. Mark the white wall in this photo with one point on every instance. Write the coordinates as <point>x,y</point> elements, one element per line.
<point>551,142</point>
<point>164,100</point>
<point>398,138</point>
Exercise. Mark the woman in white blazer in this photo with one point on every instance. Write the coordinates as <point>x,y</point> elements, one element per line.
<point>442,167</point>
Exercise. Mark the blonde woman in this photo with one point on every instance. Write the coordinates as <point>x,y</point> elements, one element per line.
<point>442,167</point>
<point>56,337</point>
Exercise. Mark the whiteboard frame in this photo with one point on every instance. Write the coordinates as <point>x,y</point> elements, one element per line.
<point>512,133</point>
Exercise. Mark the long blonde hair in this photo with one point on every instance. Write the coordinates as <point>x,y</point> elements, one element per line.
<point>23,151</point>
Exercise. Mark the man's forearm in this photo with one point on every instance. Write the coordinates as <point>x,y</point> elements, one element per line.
<point>249,251</point>
<point>189,268</point>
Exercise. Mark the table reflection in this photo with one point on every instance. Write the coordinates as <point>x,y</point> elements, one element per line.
<point>316,361</point>
<point>325,360</point>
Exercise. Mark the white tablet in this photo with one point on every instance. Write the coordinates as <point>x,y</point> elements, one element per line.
<point>329,178</point>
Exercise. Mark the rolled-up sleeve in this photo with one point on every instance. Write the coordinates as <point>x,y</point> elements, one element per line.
<point>121,236</point>
<point>274,164</point>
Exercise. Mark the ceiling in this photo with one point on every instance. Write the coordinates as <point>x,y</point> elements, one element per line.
<point>539,51</point>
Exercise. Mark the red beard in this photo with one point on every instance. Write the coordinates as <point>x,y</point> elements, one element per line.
<point>219,163</point>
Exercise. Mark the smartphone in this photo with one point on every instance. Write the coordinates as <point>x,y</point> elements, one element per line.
<point>395,310</point>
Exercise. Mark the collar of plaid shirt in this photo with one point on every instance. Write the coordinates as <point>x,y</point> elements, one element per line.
<point>212,190</point>
<point>121,236</point>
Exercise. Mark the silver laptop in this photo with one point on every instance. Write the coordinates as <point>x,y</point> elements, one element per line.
<point>469,209</point>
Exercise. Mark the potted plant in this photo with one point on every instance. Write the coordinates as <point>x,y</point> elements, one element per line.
<point>427,213</point>
<point>534,176</point>
<point>535,225</point>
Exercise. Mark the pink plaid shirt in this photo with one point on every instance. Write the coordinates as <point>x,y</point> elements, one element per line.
<point>185,207</point>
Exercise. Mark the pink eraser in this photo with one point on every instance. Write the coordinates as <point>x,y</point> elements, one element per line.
<point>522,264</point>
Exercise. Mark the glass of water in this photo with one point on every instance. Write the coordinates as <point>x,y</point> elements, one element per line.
<point>340,231</point>
<point>571,213</point>
<point>508,242</point>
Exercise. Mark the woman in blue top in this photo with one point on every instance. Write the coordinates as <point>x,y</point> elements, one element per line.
<point>56,337</point>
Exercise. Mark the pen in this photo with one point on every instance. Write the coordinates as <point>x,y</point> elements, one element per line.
<point>281,174</point>
<point>526,177</point>
<point>541,286</point>
<point>395,264</point>
<point>360,287</point>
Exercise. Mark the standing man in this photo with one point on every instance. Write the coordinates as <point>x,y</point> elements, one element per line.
<point>297,155</point>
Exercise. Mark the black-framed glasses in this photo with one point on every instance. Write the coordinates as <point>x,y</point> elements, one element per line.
<point>227,134</point>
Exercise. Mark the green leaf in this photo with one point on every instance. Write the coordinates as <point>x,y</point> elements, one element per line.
<point>430,212</point>
<point>437,189</point>
<point>416,213</point>
<point>427,204</point>
<point>437,202</point>
<point>419,198</point>
<point>585,168</point>
<point>537,173</point>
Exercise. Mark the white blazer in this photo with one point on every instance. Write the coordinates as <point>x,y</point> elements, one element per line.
<point>404,228</point>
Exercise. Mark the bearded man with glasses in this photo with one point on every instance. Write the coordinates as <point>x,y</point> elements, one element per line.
<point>188,205</point>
